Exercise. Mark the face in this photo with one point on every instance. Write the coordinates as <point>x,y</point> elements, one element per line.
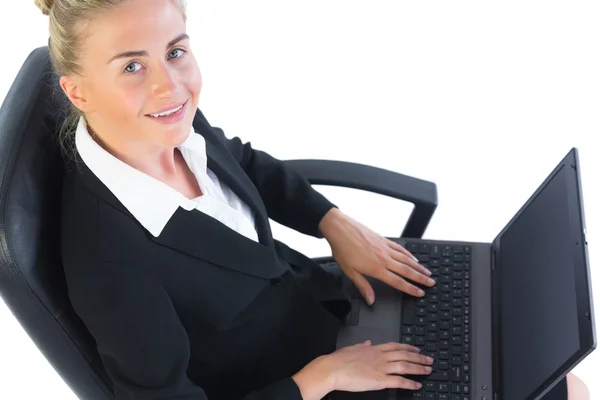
<point>137,61</point>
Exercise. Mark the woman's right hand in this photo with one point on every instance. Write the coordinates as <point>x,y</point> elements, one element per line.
<point>365,367</point>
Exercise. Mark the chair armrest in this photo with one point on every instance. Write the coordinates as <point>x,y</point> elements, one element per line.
<point>423,194</point>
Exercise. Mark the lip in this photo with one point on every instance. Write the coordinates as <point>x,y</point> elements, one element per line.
<point>162,110</point>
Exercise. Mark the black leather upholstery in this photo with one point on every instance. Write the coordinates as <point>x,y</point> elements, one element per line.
<point>31,276</point>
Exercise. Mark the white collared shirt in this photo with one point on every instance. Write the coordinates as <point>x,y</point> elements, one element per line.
<point>153,202</point>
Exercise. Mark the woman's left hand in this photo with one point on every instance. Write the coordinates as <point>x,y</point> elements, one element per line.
<point>360,251</point>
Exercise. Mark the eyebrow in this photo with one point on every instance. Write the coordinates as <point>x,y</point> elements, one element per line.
<point>142,53</point>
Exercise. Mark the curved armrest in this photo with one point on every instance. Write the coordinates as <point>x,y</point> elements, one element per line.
<point>423,194</point>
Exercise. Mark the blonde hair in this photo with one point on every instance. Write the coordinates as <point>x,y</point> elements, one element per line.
<point>67,30</point>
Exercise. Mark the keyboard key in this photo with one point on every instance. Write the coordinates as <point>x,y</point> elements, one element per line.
<point>430,396</point>
<point>430,387</point>
<point>457,258</point>
<point>419,330</point>
<point>421,302</point>
<point>445,335</point>
<point>457,330</point>
<point>444,355</point>
<point>456,361</point>
<point>443,396</point>
<point>444,365</point>
<point>432,337</point>
<point>439,376</point>
<point>447,261</point>
<point>420,311</point>
<point>456,374</point>
<point>458,249</point>
<point>419,341</point>
<point>435,251</point>
<point>445,325</point>
<point>412,247</point>
<point>456,350</point>
<point>420,321</point>
<point>456,388</point>
<point>447,251</point>
<point>407,339</point>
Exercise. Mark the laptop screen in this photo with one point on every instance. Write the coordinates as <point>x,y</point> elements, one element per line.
<point>535,291</point>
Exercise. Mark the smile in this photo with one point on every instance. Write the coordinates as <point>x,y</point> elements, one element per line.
<point>167,113</point>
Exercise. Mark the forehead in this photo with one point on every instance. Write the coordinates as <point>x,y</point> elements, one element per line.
<point>134,25</point>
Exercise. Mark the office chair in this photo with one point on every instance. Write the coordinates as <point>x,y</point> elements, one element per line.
<point>31,276</point>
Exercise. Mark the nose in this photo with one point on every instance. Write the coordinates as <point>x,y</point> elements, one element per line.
<point>164,84</point>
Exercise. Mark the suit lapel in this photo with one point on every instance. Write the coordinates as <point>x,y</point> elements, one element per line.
<point>200,235</point>
<point>231,173</point>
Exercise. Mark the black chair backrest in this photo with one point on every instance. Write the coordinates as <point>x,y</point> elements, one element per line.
<point>32,281</point>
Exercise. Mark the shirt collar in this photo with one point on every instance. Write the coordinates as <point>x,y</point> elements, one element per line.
<point>149,200</point>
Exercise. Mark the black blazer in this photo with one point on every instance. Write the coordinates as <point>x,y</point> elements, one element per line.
<point>202,312</point>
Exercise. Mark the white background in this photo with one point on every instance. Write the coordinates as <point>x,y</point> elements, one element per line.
<point>483,99</point>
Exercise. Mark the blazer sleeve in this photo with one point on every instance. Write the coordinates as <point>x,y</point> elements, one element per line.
<point>288,197</point>
<point>141,341</point>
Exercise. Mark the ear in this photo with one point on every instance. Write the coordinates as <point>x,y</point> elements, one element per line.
<point>73,90</point>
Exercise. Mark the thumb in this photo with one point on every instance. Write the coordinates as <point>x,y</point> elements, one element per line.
<point>364,288</point>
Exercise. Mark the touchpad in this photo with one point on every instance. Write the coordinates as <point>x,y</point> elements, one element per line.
<point>384,313</point>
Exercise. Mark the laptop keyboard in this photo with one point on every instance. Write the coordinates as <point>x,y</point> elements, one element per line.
<point>438,323</point>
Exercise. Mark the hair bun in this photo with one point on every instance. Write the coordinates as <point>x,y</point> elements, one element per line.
<point>45,6</point>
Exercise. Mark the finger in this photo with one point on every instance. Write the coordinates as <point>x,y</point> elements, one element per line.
<point>402,249</point>
<point>364,287</point>
<point>400,284</point>
<point>400,382</point>
<point>407,368</point>
<point>416,276</point>
<point>395,346</point>
<point>407,258</point>
<point>408,356</point>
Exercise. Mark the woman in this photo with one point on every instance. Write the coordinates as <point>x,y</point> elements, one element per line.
<point>168,254</point>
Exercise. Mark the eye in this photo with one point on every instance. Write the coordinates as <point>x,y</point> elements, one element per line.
<point>129,70</point>
<point>175,50</point>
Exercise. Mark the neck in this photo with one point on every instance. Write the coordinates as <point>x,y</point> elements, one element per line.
<point>158,162</point>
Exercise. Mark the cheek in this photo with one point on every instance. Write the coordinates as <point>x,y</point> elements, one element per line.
<point>125,103</point>
<point>194,79</point>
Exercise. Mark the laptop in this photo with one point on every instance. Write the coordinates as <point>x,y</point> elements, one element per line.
<point>506,320</point>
